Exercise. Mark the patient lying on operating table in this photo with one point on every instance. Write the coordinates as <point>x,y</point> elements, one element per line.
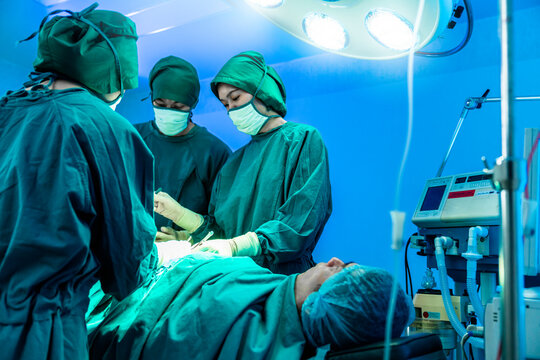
<point>206,307</point>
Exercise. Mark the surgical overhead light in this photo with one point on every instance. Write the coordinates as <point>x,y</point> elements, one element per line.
<point>324,31</point>
<point>267,3</point>
<point>390,29</point>
<point>367,29</point>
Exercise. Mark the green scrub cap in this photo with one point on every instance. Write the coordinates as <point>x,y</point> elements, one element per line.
<point>175,79</point>
<point>70,46</point>
<point>245,71</point>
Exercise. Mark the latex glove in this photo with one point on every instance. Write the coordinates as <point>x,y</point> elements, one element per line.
<point>170,251</point>
<point>165,205</point>
<point>168,233</point>
<point>219,246</point>
<point>243,245</point>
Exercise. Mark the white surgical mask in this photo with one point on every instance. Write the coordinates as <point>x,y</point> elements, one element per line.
<point>115,103</point>
<point>171,121</point>
<point>248,119</point>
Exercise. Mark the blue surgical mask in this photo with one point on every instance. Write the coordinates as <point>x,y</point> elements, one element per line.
<point>248,119</point>
<point>171,121</point>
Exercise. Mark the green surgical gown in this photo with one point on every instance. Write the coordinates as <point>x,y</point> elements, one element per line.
<point>277,186</point>
<point>205,307</point>
<point>76,201</point>
<point>185,166</point>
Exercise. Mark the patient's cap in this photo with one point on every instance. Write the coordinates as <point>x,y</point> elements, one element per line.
<point>350,308</point>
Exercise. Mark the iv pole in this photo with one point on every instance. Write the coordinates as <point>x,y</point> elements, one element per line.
<point>506,177</point>
<point>507,174</point>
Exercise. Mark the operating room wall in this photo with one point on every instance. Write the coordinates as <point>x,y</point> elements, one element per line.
<point>360,107</point>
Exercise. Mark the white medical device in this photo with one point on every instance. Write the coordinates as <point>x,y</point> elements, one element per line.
<point>532,325</point>
<point>457,201</point>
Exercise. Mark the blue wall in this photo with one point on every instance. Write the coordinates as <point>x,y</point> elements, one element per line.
<point>360,107</point>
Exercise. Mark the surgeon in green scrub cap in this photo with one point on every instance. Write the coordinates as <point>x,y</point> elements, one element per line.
<point>76,184</point>
<point>187,156</point>
<point>272,198</point>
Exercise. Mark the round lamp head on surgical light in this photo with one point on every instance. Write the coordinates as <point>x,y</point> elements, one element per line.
<point>324,31</point>
<point>390,29</point>
<point>267,3</point>
<point>366,29</point>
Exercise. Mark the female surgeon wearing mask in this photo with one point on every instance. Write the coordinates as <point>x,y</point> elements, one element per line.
<point>272,198</point>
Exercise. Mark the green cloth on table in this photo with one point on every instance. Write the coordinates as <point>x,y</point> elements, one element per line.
<point>205,307</point>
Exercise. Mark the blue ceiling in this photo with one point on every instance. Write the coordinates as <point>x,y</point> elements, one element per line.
<point>205,32</point>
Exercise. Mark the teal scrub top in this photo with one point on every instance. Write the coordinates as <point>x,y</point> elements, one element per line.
<point>185,166</point>
<point>205,307</point>
<point>76,200</point>
<point>278,186</point>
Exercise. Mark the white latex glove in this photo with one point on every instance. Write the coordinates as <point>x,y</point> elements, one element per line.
<point>170,251</point>
<point>243,245</point>
<point>220,246</point>
<point>165,205</point>
<point>168,233</point>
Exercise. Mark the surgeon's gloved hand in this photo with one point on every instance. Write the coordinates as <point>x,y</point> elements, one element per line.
<point>168,233</point>
<point>165,205</point>
<point>243,245</point>
<point>221,247</point>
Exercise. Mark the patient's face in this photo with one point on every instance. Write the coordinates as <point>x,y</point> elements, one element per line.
<point>311,280</point>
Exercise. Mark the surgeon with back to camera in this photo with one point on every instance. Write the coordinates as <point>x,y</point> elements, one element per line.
<point>187,156</point>
<point>272,198</point>
<point>76,186</point>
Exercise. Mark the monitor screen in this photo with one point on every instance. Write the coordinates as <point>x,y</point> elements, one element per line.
<point>433,198</point>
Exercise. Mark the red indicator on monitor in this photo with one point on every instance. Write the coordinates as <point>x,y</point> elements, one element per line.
<point>461,194</point>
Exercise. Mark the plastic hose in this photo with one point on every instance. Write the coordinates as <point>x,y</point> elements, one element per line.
<point>472,257</point>
<point>458,327</point>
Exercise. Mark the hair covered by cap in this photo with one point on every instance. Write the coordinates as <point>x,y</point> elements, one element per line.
<point>245,71</point>
<point>175,79</point>
<point>71,47</point>
<point>350,308</point>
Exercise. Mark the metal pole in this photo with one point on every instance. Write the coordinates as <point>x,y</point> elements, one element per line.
<point>471,104</point>
<point>518,98</point>
<point>507,174</point>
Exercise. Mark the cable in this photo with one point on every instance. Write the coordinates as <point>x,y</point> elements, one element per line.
<point>464,339</point>
<point>461,45</point>
<point>529,161</point>
<point>408,277</point>
<point>407,267</point>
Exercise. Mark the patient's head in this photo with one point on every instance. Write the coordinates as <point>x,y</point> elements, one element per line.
<point>350,306</point>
